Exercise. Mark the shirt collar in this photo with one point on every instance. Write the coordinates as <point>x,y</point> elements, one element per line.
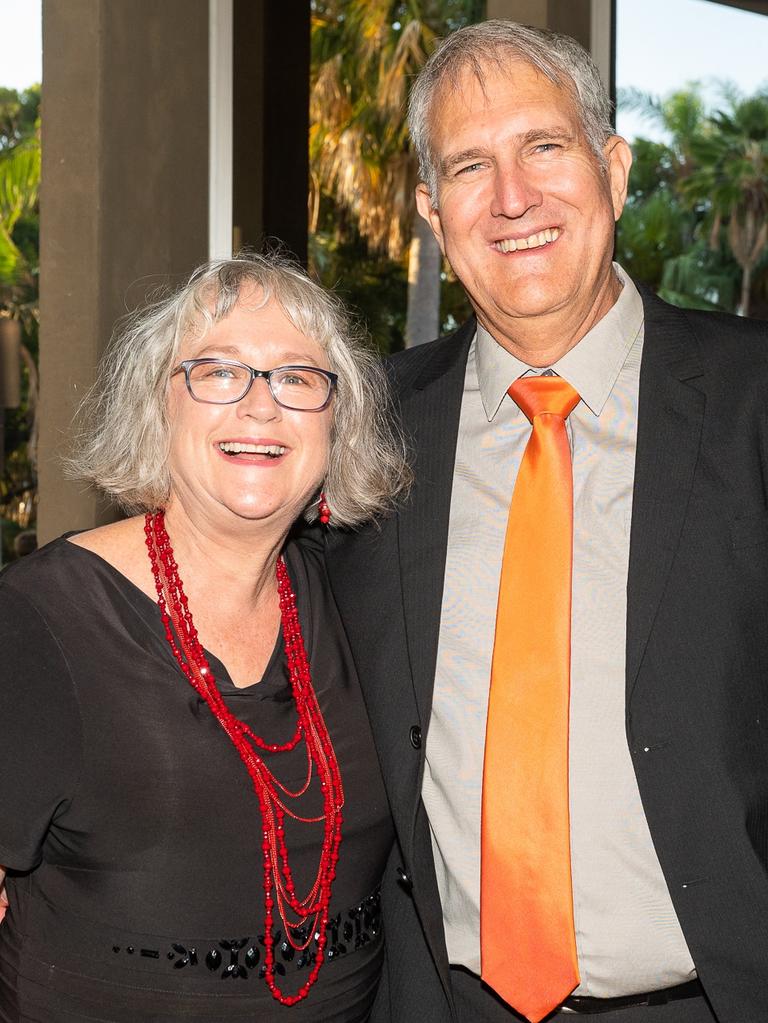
<point>592,366</point>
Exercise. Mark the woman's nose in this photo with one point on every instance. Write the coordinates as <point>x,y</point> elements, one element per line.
<point>258,402</point>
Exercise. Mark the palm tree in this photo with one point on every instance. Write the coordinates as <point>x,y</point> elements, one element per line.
<point>730,182</point>
<point>715,167</point>
<point>19,310</point>
<point>365,52</point>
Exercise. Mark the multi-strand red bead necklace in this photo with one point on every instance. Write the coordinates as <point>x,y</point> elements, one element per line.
<point>272,795</point>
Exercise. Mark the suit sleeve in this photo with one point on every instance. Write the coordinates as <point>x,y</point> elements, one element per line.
<point>40,731</point>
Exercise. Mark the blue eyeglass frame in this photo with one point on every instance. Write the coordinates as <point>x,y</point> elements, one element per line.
<point>189,364</point>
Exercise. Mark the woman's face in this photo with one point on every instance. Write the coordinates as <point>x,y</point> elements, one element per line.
<point>211,475</point>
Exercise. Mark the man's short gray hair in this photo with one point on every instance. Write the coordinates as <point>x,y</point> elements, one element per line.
<point>123,436</point>
<point>493,44</point>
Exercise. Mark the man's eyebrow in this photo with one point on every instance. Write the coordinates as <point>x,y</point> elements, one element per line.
<point>555,134</point>
<point>448,162</point>
<point>547,135</point>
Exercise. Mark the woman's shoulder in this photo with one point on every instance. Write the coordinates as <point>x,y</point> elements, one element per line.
<point>62,573</point>
<point>34,574</point>
<point>122,546</point>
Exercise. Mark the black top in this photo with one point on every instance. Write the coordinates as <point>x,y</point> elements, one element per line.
<point>130,826</point>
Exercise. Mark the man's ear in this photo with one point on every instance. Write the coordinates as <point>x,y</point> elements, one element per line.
<point>618,159</point>
<point>431,215</point>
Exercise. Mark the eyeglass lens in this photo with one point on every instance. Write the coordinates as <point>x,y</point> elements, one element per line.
<point>297,388</point>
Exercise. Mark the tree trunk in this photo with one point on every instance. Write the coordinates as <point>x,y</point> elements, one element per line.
<point>33,390</point>
<point>746,287</point>
<point>424,265</point>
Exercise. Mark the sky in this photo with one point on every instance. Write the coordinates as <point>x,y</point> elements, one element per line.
<point>700,41</point>
<point>21,57</point>
<point>661,45</point>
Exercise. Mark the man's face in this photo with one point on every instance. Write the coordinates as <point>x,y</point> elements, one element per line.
<point>525,212</point>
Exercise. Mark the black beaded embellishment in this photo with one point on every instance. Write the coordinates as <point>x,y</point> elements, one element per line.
<point>238,958</point>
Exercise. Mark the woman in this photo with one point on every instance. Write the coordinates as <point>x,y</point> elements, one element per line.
<point>195,826</point>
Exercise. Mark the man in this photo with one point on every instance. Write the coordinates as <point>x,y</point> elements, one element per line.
<point>568,687</point>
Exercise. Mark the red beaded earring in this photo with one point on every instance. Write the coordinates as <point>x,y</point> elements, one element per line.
<point>323,511</point>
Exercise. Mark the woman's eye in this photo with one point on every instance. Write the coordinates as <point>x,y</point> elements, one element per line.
<point>293,378</point>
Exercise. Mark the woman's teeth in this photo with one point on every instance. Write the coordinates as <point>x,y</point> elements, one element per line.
<point>236,448</point>
<point>541,238</point>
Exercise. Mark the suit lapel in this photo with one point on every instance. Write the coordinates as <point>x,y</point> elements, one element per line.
<point>670,419</point>
<point>431,410</point>
<point>393,619</point>
<point>388,580</point>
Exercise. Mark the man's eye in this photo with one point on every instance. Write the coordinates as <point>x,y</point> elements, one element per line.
<point>469,168</point>
<point>547,147</point>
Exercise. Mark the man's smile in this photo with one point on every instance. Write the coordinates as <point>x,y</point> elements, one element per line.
<point>533,241</point>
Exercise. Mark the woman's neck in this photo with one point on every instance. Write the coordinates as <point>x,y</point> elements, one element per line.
<point>234,566</point>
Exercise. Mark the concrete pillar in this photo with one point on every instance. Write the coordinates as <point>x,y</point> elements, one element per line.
<point>124,195</point>
<point>144,104</point>
<point>589,21</point>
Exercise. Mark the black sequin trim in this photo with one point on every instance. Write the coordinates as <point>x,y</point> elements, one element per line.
<point>238,958</point>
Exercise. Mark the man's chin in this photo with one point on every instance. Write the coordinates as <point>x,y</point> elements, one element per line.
<point>529,303</point>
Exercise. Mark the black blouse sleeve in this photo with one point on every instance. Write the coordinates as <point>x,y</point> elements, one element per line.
<point>40,733</point>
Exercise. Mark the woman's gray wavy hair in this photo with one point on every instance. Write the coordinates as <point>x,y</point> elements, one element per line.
<point>495,43</point>
<point>123,436</point>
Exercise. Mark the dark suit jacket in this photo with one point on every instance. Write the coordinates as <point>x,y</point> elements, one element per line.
<point>697,645</point>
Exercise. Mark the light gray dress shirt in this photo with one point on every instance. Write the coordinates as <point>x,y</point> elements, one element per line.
<point>627,934</point>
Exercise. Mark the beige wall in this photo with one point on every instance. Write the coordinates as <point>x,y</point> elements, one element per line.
<point>124,196</point>
<point>589,21</point>
<point>569,16</point>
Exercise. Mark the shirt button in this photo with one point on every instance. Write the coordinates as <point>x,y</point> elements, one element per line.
<point>415,736</point>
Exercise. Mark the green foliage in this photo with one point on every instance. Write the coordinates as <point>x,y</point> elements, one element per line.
<point>19,275</point>
<point>19,184</point>
<point>700,279</point>
<point>696,222</point>
<point>363,171</point>
<point>651,229</point>
<point>373,286</point>
<point>19,114</point>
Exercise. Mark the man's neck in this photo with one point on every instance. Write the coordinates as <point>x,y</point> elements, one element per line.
<point>541,341</point>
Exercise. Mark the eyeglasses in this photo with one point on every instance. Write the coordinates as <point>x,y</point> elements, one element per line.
<point>225,381</point>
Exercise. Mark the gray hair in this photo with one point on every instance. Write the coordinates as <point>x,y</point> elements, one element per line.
<point>494,43</point>
<point>123,438</point>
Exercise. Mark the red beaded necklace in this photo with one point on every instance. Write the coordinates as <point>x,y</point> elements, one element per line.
<point>272,795</point>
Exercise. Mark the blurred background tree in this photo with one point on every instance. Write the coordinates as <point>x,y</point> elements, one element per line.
<point>19,303</point>
<point>365,235</point>
<point>696,223</point>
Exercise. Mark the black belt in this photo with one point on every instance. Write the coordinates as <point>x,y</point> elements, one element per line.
<point>586,1004</point>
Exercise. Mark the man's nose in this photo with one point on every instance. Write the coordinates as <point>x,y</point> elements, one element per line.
<point>513,193</point>
<point>259,403</point>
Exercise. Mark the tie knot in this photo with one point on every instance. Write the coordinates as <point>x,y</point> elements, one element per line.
<point>550,394</point>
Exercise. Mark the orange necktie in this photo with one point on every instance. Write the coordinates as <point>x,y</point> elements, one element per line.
<point>527,940</point>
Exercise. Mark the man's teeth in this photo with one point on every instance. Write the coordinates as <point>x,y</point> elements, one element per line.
<point>513,244</point>
<point>236,448</point>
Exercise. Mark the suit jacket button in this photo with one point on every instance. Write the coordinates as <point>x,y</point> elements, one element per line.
<point>404,881</point>
<point>415,736</point>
